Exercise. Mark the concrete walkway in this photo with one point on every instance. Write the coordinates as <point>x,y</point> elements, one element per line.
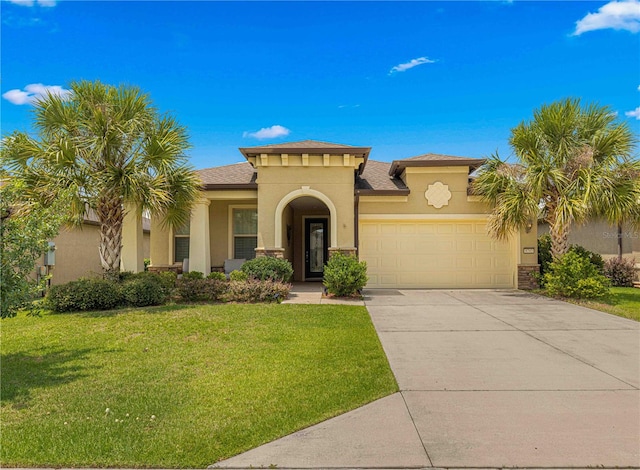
<point>488,379</point>
<point>311,293</point>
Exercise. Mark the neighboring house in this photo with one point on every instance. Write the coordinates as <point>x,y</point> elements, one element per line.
<point>601,238</point>
<point>76,251</point>
<point>412,220</point>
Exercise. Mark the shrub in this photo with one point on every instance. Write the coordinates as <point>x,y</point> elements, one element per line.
<point>253,290</point>
<point>268,268</point>
<point>544,253</point>
<point>84,294</point>
<point>142,291</point>
<point>621,272</point>
<point>193,275</point>
<point>545,258</point>
<point>575,276</point>
<point>238,276</point>
<point>191,290</point>
<point>217,276</point>
<point>345,275</point>
<point>593,258</point>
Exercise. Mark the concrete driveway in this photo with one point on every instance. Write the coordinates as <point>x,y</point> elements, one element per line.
<point>487,379</point>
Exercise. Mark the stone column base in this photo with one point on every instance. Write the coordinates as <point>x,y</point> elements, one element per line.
<point>348,251</point>
<point>526,276</point>
<point>273,252</point>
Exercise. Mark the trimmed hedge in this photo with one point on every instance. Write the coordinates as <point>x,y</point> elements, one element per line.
<point>575,276</point>
<point>268,268</point>
<point>345,275</point>
<point>84,294</point>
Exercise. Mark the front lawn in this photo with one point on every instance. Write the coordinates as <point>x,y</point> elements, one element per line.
<point>623,301</point>
<point>179,386</point>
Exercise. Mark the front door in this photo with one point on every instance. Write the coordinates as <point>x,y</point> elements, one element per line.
<point>315,247</point>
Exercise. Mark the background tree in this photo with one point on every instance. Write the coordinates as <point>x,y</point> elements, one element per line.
<point>105,148</point>
<point>25,230</point>
<point>574,164</point>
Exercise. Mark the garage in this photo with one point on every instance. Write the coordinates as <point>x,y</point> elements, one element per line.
<point>435,254</point>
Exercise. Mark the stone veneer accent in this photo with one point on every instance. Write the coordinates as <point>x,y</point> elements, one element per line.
<point>273,252</point>
<point>526,278</point>
<point>344,251</point>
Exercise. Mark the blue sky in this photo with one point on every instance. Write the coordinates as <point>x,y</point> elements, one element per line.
<point>404,78</point>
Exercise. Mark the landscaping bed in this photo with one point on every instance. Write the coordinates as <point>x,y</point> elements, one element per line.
<point>179,385</point>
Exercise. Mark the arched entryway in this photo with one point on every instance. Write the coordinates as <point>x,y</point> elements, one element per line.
<point>305,230</point>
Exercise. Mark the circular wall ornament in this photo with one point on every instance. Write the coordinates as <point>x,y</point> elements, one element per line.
<point>438,195</point>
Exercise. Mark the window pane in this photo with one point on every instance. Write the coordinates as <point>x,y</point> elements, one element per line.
<point>183,230</point>
<point>245,247</point>
<point>245,221</point>
<point>181,248</point>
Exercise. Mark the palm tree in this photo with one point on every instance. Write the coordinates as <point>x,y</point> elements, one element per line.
<point>102,149</point>
<point>574,164</point>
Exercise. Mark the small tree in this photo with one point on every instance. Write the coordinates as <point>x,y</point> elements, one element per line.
<point>25,230</point>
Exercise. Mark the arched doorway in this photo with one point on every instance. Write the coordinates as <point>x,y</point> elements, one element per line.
<point>305,230</point>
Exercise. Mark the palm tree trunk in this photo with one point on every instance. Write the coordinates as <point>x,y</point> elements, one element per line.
<point>559,240</point>
<point>619,241</point>
<point>111,216</point>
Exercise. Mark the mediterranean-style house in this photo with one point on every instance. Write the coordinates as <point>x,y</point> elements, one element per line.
<point>413,220</point>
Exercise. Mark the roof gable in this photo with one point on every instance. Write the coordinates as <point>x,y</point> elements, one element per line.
<point>433,159</point>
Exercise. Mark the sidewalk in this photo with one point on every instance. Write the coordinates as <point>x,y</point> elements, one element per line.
<point>311,293</point>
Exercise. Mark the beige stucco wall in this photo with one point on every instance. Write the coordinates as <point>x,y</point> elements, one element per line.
<point>77,253</point>
<point>418,181</point>
<point>275,183</point>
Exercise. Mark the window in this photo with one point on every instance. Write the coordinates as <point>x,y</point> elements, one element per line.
<point>181,243</point>
<point>245,233</point>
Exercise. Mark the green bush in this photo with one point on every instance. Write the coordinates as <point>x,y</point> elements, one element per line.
<point>142,291</point>
<point>593,258</point>
<point>344,275</point>
<point>238,276</point>
<point>544,254</point>
<point>217,276</point>
<point>193,275</point>
<point>83,295</point>
<point>268,268</point>
<point>621,272</point>
<point>192,290</point>
<point>545,258</point>
<point>575,276</point>
<point>253,290</point>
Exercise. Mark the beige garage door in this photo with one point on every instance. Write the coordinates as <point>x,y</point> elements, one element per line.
<point>435,254</point>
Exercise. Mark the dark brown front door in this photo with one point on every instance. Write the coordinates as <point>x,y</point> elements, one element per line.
<point>315,247</point>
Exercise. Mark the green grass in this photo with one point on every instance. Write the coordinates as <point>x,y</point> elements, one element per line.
<point>623,301</point>
<point>185,386</point>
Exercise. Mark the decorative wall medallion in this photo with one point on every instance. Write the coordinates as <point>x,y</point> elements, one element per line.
<point>438,195</point>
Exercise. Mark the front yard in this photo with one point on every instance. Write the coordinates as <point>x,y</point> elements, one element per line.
<point>179,386</point>
<point>623,301</point>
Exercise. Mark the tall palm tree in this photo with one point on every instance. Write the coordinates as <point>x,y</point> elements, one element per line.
<point>574,164</point>
<point>105,148</point>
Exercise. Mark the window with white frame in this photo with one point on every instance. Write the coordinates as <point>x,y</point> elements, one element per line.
<point>245,233</point>
<point>181,243</point>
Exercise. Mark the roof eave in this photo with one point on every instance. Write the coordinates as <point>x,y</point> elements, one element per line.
<point>383,192</point>
<point>255,151</point>
<point>227,187</point>
<point>398,166</point>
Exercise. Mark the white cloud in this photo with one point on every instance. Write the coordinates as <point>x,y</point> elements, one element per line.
<point>268,132</point>
<point>411,64</point>
<point>638,87</point>
<point>34,92</point>
<point>30,3</point>
<point>635,113</point>
<point>614,15</point>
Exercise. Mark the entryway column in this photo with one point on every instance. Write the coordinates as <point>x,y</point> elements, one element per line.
<point>132,254</point>
<point>199,241</point>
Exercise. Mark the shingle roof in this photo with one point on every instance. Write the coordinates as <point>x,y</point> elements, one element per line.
<point>375,179</point>
<point>434,159</point>
<point>236,176</point>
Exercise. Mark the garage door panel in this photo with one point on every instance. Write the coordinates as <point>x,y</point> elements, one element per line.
<point>435,254</point>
